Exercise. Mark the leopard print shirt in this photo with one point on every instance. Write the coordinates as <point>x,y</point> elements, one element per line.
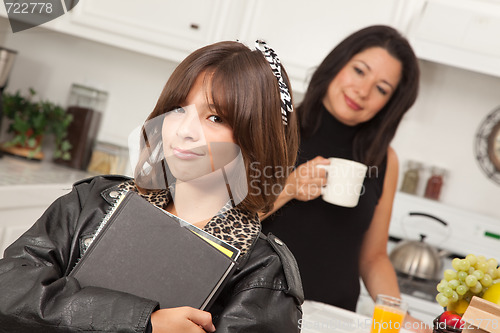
<point>232,225</point>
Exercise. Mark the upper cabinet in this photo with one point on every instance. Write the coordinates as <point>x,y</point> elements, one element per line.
<point>164,28</point>
<point>304,32</point>
<point>301,32</point>
<point>461,33</point>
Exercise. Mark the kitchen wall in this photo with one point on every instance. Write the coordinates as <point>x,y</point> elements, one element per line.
<point>50,62</point>
<point>438,130</point>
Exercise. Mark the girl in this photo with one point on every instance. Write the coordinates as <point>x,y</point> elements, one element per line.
<point>223,108</point>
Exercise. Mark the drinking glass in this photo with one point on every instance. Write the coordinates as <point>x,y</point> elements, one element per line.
<point>388,315</point>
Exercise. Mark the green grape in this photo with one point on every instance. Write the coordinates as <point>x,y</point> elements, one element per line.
<point>453,284</point>
<point>454,297</point>
<point>482,266</point>
<point>470,280</point>
<point>471,270</point>
<point>472,259</point>
<point>481,258</point>
<point>462,289</point>
<point>447,291</point>
<point>441,286</point>
<point>479,274</point>
<point>477,288</point>
<point>491,272</point>
<point>486,281</point>
<point>463,265</point>
<point>462,275</point>
<point>455,263</point>
<point>492,263</point>
<point>442,300</point>
<point>449,274</point>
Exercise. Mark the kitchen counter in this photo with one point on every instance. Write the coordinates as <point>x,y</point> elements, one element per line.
<point>320,318</point>
<point>20,171</point>
<point>27,188</point>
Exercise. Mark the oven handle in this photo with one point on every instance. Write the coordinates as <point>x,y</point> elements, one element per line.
<point>429,216</point>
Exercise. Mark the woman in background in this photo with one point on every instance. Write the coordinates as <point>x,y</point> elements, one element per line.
<point>352,108</point>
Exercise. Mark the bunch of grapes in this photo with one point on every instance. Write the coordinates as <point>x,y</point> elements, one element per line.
<point>470,277</point>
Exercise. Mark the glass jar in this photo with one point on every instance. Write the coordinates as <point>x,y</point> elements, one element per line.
<point>435,183</point>
<point>411,177</point>
<point>87,97</point>
<point>85,105</point>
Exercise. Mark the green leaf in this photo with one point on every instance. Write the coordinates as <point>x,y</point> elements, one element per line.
<point>66,156</point>
<point>65,145</point>
<point>32,142</point>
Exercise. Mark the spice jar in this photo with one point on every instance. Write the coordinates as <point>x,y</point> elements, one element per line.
<point>411,177</point>
<point>435,183</point>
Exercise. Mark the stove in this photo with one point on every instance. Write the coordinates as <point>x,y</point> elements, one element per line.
<point>451,229</point>
<point>455,232</point>
<point>419,288</point>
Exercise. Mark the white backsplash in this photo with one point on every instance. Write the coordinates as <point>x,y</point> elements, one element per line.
<point>439,130</point>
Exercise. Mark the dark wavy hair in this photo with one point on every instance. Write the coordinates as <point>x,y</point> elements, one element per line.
<point>246,95</point>
<point>374,136</point>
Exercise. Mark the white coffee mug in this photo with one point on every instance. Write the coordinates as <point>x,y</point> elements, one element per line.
<point>344,182</point>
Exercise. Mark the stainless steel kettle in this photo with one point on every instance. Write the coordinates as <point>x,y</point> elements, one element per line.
<point>417,259</point>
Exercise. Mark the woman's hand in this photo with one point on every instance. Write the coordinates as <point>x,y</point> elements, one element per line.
<point>306,181</point>
<point>182,320</point>
<point>303,184</point>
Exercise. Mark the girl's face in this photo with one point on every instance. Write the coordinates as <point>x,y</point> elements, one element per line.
<point>195,138</point>
<point>363,86</point>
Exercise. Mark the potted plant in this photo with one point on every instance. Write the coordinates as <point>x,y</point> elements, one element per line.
<point>31,121</point>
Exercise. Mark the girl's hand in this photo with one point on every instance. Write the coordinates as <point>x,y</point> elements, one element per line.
<point>306,181</point>
<point>182,320</point>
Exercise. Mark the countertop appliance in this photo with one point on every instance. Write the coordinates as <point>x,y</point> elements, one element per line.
<point>7,58</point>
<point>86,105</point>
<point>322,318</point>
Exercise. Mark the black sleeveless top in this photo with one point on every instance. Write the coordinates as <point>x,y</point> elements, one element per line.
<point>326,239</point>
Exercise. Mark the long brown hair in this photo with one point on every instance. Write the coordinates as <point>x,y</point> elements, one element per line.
<point>245,94</point>
<point>374,136</point>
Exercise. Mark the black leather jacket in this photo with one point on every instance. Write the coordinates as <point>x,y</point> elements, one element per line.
<point>36,295</point>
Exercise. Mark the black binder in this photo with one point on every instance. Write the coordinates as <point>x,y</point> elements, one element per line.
<point>142,250</point>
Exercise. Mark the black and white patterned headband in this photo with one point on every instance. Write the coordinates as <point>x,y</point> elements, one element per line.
<point>272,58</point>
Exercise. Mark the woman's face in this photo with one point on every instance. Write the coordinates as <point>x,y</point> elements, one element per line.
<point>196,141</point>
<point>363,86</point>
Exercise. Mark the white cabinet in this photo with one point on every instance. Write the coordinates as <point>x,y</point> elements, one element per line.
<point>21,206</point>
<point>301,32</point>
<point>461,33</point>
<point>304,32</point>
<point>165,28</point>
